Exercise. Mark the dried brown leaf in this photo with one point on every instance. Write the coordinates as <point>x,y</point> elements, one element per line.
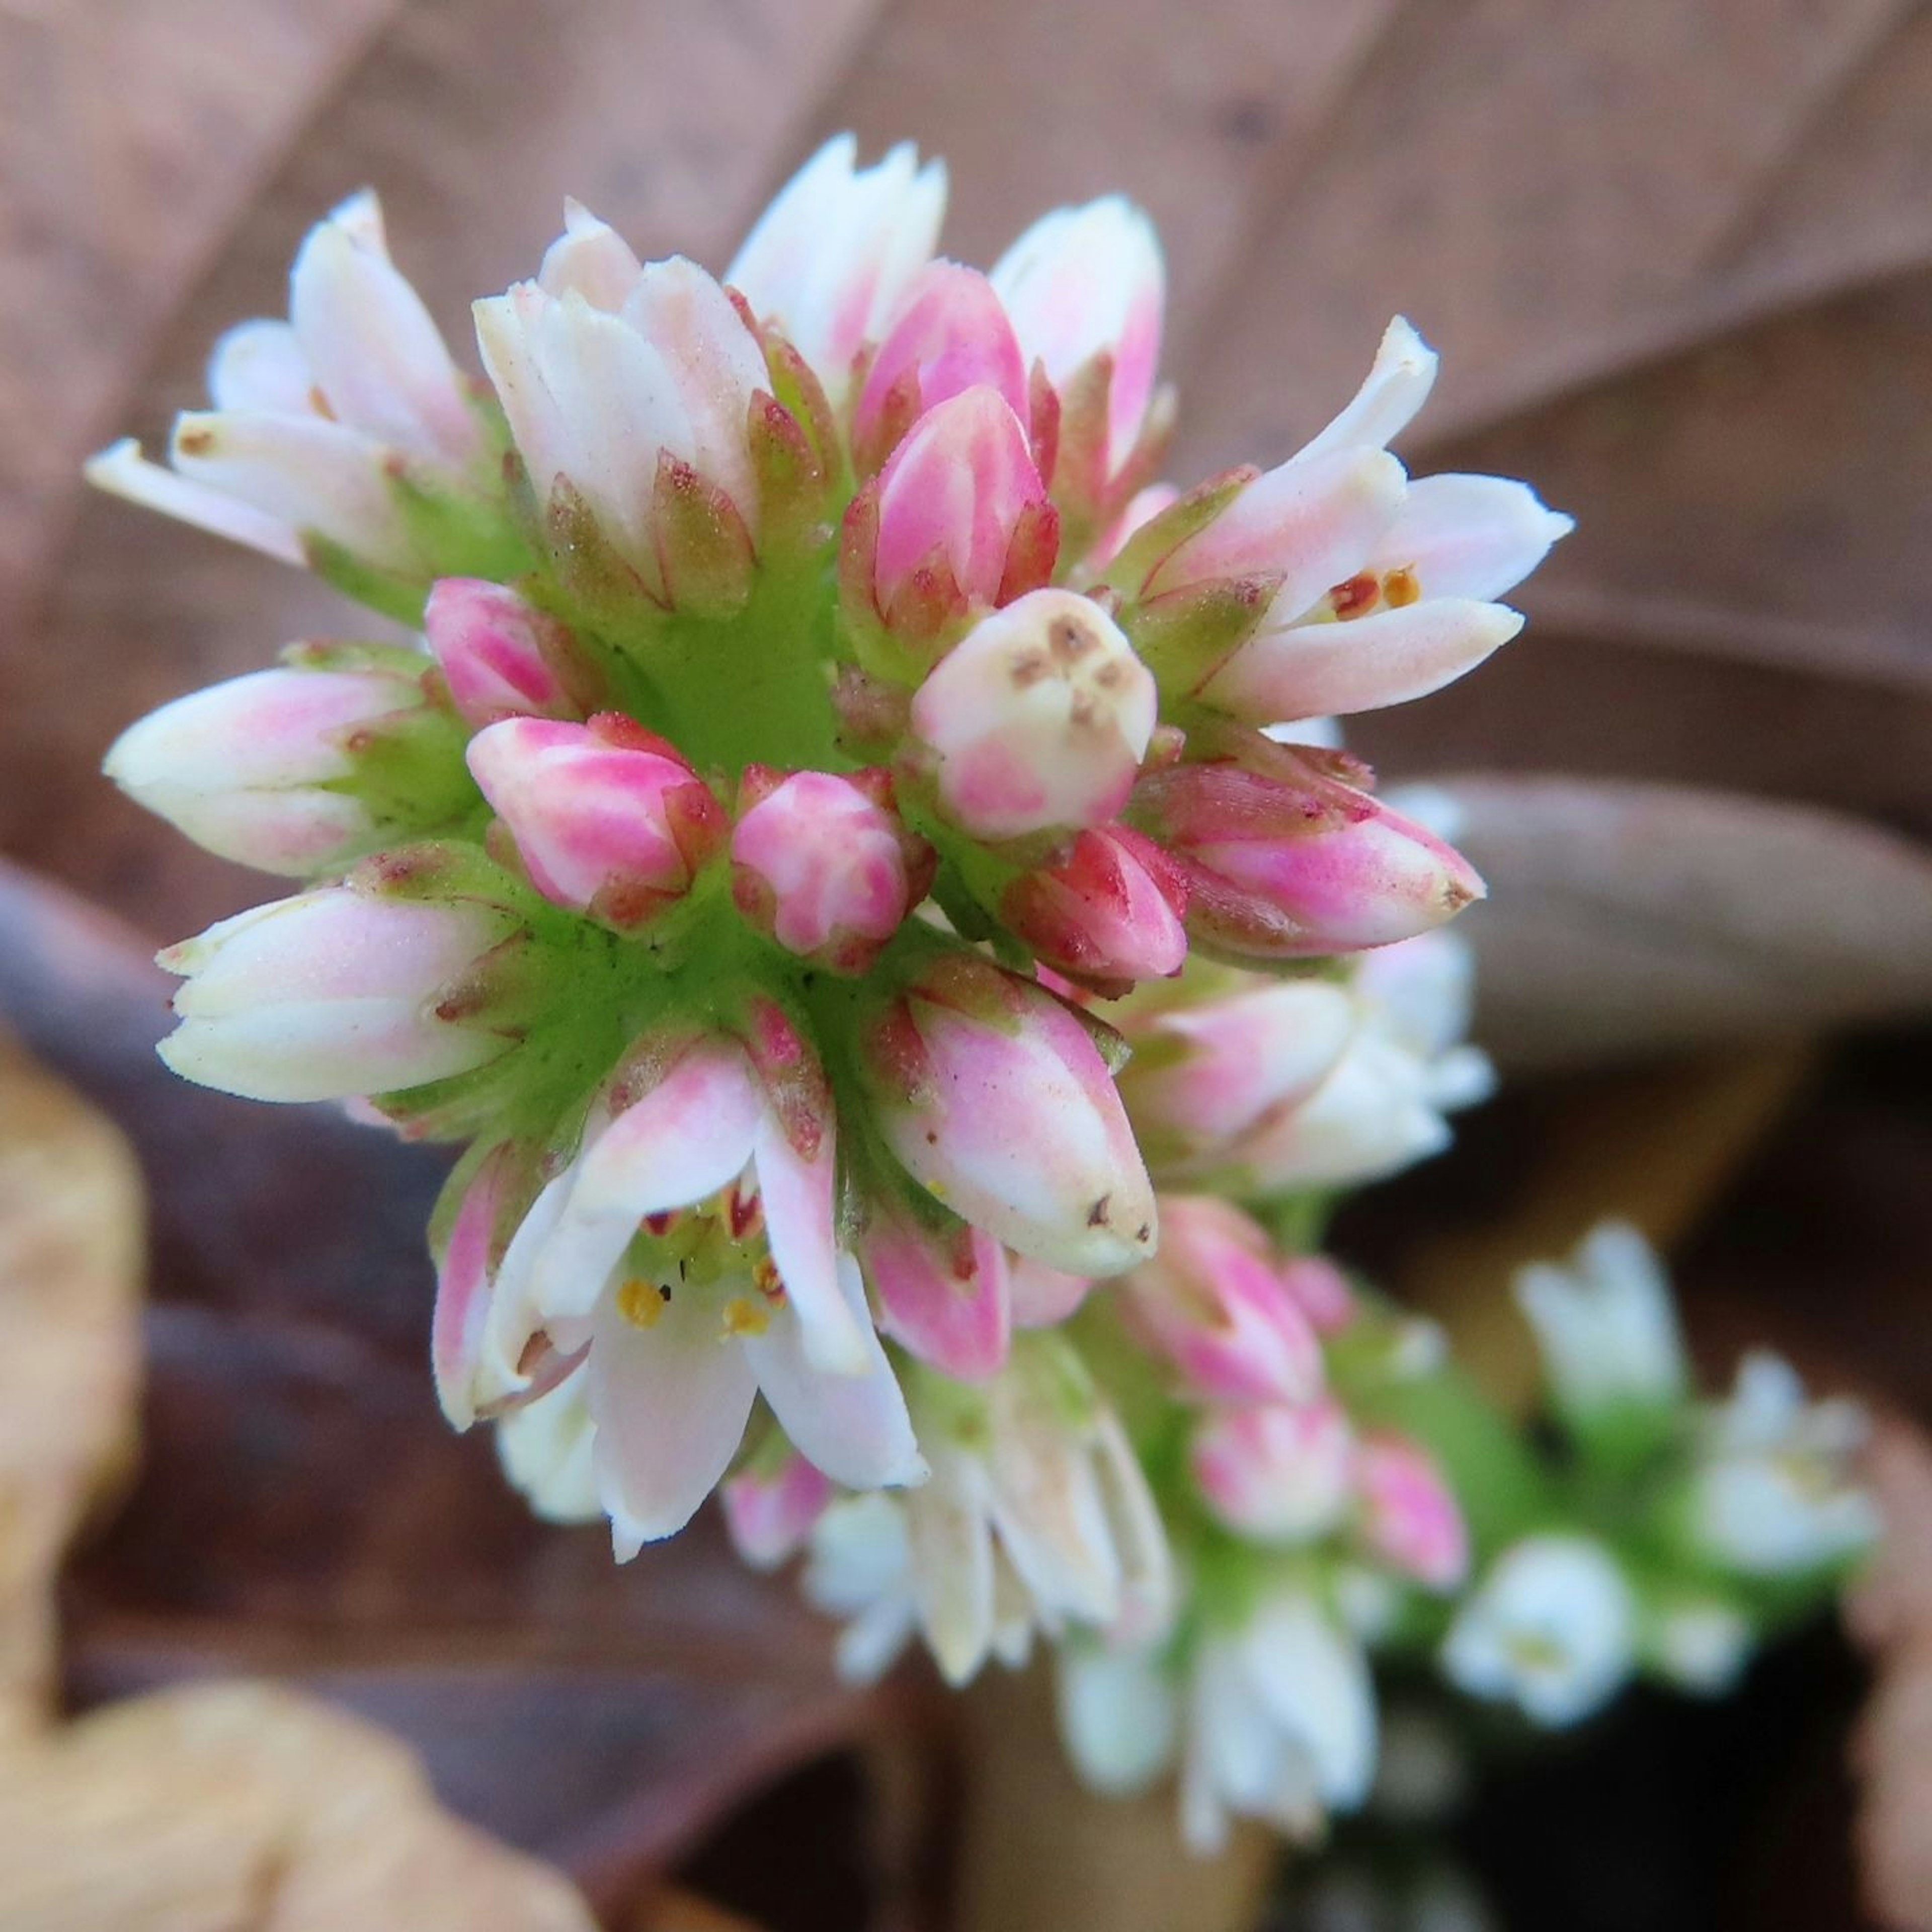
<point>1626,918</point>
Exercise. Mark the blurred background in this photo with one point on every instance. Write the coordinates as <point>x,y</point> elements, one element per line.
<point>1678,261</point>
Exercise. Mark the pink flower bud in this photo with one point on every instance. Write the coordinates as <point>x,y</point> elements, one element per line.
<point>260,769</point>
<point>996,1100</point>
<point>1410,1518</point>
<point>607,817</point>
<point>1110,911</point>
<point>1214,1302</point>
<point>333,993</point>
<point>822,864</point>
<point>771,1513</point>
<point>1277,1474</point>
<point>1213,1070</point>
<point>960,509</point>
<point>504,658</point>
<point>1086,282</point>
<point>1278,870</point>
<point>952,335</point>
<point>1038,719</point>
<point>942,1291</point>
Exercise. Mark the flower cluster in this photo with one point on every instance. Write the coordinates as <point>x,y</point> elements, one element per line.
<point>820,713</point>
<point>1678,1532</point>
<point>863,866</point>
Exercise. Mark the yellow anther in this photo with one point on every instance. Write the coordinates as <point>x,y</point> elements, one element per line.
<point>743,1316</point>
<point>1399,587</point>
<point>641,1303</point>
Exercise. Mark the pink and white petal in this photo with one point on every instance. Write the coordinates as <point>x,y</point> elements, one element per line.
<point>853,1426</point>
<point>945,1301</point>
<point>670,1402</point>
<point>512,1316</point>
<point>799,1197</point>
<point>1469,536</point>
<point>1385,659</point>
<point>1394,391</point>
<point>689,1136</point>
<point>259,364</point>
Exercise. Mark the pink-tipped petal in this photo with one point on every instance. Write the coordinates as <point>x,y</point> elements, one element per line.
<point>1410,1518</point>
<point>1281,1475</point>
<point>951,335</point>
<point>603,815</point>
<point>503,657</point>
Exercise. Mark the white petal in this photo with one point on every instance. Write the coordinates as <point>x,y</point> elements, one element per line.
<point>670,1403</point>
<point>853,1425</point>
<point>689,1136</point>
<point>122,471</point>
<point>1396,387</point>
<point>592,258</point>
<point>1386,658</point>
<point>1118,1714</point>
<point>1469,536</point>
<point>718,367</point>
<point>1314,1680</point>
<point>374,352</point>
<point>799,1204</point>
<point>952,1552</point>
<point>306,472</point>
<point>259,365</point>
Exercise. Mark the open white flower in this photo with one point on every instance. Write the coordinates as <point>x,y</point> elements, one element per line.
<point>1551,1629</point>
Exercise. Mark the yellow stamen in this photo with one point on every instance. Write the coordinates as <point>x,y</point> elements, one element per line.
<point>743,1316</point>
<point>641,1303</point>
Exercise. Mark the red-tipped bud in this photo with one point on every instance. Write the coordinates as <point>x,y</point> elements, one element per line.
<point>608,819</point>
<point>1110,911</point>
<point>822,865</point>
<point>1278,870</point>
<point>503,658</point>
<point>952,335</point>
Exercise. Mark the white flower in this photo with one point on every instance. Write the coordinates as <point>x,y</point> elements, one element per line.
<point>1775,1493</point>
<point>315,417</point>
<point>1606,1325</point>
<point>1551,1629</point>
<point>1281,1724</point>
<point>1037,1517</point>
<point>672,1366</point>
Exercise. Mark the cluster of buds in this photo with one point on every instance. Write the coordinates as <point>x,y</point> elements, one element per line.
<point>829,755</point>
<point>820,712</point>
<point>1680,1532</point>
